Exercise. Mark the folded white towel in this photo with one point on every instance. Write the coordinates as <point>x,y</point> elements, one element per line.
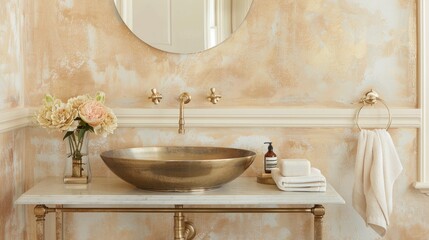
<point>294,167</point>
<point>283,183</point>
<point>376,169</point>
<point>300,185</point>
<point>315,176</point>
<point>306,189</point>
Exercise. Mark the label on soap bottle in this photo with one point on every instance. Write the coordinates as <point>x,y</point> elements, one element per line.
<point>271,162</point>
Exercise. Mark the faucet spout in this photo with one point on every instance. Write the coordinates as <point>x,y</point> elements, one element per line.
<point>184,98</point>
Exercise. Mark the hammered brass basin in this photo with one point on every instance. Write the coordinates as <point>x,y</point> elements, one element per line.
<point>178,169</point>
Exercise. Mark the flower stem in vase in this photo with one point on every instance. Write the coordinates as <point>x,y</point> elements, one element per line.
<point>78,154</point>
<point>77,167</point>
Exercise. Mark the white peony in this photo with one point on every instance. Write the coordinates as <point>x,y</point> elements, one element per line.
<point>76,102</point>
<point>109,124</point>
<point>63,116</point>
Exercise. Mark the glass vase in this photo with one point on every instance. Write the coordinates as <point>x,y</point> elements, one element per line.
<point>77,169</point>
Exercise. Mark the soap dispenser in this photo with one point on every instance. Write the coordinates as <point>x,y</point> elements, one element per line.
<point>270,159</point>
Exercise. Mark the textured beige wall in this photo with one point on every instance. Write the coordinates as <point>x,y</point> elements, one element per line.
<point>11,56</point>
<point>302,53</point>
<point>12,218</point>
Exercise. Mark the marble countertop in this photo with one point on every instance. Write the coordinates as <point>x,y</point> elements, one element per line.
<point>241,191</point>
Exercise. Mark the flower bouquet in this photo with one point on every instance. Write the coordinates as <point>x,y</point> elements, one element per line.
<point>78,116</point>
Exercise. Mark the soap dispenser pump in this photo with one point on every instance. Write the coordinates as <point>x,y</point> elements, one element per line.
<point>270,159</point>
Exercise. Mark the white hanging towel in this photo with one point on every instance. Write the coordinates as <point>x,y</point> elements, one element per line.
<point>376,169</point>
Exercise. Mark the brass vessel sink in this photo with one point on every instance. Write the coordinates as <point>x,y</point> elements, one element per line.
<point>178,169</point>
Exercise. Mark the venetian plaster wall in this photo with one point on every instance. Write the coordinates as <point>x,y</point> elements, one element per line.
<point>287,53</point>
<point>11,60</point>
<point>297,53</point>
<point>12,218</point>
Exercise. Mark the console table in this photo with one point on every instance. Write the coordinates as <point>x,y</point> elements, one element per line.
<point>102,193</point>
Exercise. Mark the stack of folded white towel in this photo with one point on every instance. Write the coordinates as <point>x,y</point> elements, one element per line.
<point>297,175</point>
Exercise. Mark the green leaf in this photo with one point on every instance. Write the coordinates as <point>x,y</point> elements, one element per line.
<point>49,98</point>
<point>100,96</point>
<point>81,133</point>
<point>67,134</point>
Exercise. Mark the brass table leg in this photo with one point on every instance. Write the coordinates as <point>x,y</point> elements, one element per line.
<point>318,212</point>
<point>40,211</point>
<point>58,222</point>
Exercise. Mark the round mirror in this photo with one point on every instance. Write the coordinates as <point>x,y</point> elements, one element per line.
<point>183,26</point>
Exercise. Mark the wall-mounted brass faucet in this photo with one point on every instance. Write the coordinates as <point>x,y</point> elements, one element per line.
<point>155,97</point>
<point>184,98</point>
<point>213,97</point>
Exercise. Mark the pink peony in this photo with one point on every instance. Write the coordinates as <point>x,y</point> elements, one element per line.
<point>92,112</point>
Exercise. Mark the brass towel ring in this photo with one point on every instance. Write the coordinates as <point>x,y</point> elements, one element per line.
<point>371,98</point>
